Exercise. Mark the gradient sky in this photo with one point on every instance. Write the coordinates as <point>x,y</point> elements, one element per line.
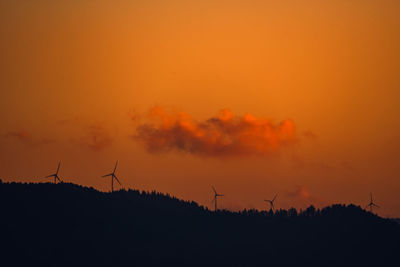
<point>77,79</point>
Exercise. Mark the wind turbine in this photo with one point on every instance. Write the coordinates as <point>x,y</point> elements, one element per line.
<point>371,204</point>
<point>56,177</point>
<point>271,202</point>
<point>113,176</point>
<point>216,195</point>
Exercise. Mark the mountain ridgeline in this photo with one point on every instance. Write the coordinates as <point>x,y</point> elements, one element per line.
<point>69,225</point>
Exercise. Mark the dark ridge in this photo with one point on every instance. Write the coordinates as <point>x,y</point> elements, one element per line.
<point>70,225</point>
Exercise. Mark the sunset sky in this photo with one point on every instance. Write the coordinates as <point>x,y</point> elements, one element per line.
<point>298,98</point>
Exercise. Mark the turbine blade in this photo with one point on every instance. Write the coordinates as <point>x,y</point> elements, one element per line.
<point>375,205</point>
<point>58,168</point>
<point>371,197</point>
<point>116,164</point>
<point>215,191</point>
<point>274,197</point>
<point>107,175</point>
<point>117,180</point>
<point>52,175</point>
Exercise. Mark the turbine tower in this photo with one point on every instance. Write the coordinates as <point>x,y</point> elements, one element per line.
<point>113,176</point>
<point>271,202</point>
<point>56,177</point>
<point>216,195</point>
<point>371,204</point>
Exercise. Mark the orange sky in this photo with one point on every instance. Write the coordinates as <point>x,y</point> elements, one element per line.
<point>78,77</point>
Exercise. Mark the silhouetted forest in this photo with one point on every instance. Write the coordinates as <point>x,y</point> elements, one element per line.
<point>69,225</point>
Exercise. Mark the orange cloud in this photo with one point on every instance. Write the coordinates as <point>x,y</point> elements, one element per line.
<point>223,135</point>
<point>300,192</point>
<point>301,195</point>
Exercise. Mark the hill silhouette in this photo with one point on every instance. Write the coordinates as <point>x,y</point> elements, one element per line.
<point>70,225</point>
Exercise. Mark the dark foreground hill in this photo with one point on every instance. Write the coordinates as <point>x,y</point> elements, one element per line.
<point>70,225</point>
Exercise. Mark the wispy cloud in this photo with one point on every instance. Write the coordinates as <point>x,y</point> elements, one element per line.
<point>310,135</point>
<point>223,135</point>
<point>302,196</point>
<point>25,137</point>
<point>22,136</point>
<point>66,121</point>
<point>96,139</point>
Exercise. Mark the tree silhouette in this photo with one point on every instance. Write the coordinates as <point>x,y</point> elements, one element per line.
<point>69,225</point>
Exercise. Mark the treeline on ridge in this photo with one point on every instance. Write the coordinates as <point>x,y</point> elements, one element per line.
<point>71,225</point>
